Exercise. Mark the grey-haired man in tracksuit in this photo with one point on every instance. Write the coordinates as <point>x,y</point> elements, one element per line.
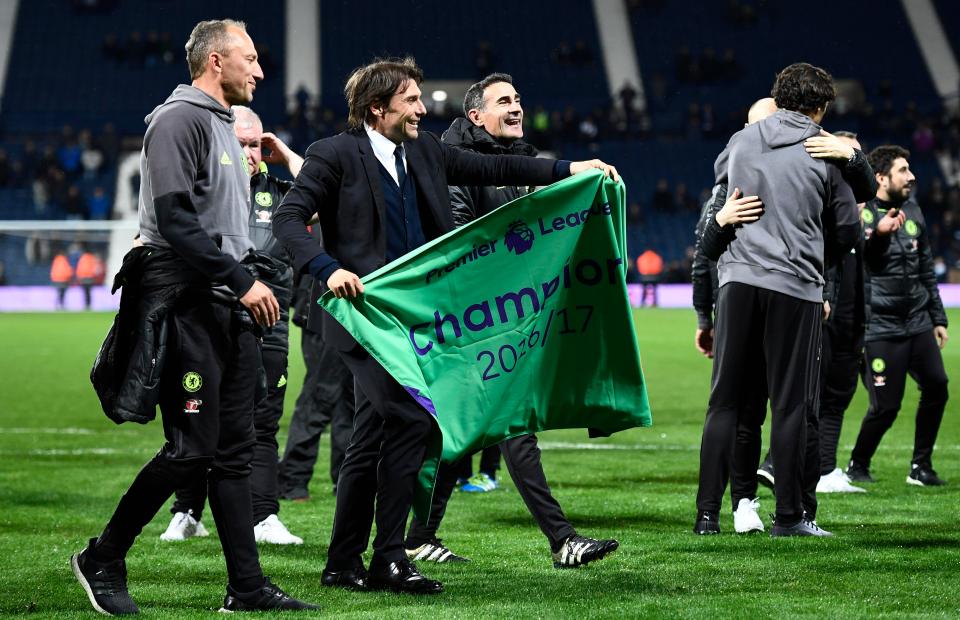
<point>194,229</point>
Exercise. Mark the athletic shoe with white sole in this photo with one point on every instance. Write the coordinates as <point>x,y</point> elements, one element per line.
<point>104,582</point>
<point>481,483</point>
<point>924,477</point>
<point>183,526</point>
<point>268,598</point>
<point>434,551</point>
<point>272,530</point>
<point>579,550</point>
<point>837,482</point>
<point>745,517</point>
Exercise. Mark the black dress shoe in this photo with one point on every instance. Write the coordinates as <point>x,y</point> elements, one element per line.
<point>352,578</point>
<point>401,576</point>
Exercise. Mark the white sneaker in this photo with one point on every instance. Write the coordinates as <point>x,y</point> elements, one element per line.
<point>745,517</point>
<point>272,530</point>
<point>183,526</point>
<point>837,482</point>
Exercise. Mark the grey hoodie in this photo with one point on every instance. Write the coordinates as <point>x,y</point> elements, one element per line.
<point>194,188</point>
<point>803,198</point>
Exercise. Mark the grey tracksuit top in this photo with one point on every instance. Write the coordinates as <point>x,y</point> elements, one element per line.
<point>804,201</point>
<point>194,188</point>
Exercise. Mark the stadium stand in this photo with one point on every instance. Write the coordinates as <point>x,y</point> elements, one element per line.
<point>112,65</point>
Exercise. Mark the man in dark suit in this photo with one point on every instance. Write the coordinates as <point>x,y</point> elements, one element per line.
<point>379,191</point>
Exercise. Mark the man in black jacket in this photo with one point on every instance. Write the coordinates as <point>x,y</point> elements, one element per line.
<point>273,267</point>
<point>843,294</point>
<point>493,124</point>
<point>907,325</point>
<point>380,191</point>
<point>193,208</point>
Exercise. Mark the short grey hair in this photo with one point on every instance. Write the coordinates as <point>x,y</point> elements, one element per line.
<point>243,111</point>
<point>206,37</point>
<point>473,99</point>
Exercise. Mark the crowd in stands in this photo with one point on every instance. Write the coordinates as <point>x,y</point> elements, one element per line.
<point>65,173</point>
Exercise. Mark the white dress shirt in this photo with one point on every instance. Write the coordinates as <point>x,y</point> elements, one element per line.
<point>383,148</point>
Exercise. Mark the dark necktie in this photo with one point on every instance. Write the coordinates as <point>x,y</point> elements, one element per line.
<point>401,172</point>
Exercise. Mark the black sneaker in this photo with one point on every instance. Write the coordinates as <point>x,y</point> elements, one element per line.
<point>859,473</point>
<point>806,527</point>
<point>924,476</point>
<point>267,597</point>
<point>765,472</point>
<point>104,582</point>
<point>707,523</point>
<point>579,550</point>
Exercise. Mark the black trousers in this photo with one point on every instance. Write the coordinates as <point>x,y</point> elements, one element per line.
<point>266,423</point>
<point>522,455</point>
<point>748,443</point>
<point>207,408</point>
<point>888,362</point>
<point>489,464</point>
<point>380,469</point>
<point>840,368</point>
<point>754,324</point>
<point>326,398</point>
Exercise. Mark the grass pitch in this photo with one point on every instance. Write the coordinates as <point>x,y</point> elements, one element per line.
<point>63,466</point>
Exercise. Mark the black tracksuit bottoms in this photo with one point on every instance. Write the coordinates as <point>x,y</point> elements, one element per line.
<point>842,354</point>
<point>784,332</point>
<point>206,402</point>
<point>325,399</point>
<point>379,472</point>
<point>266,423</point>
<point>522,455</point>
<point>888,362</point>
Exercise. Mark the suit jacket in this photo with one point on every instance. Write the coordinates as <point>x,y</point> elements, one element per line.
<point>340,181</point>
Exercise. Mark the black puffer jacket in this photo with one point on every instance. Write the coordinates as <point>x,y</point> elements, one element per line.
<point>904,298</point>
<point>272,264</point>
<point>471,202</point>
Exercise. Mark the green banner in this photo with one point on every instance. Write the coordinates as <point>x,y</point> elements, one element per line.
<point>516,323</point>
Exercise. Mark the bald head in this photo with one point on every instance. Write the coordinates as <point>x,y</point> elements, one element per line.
<point>761,109</point>
<point>249,130</point>
<point>245,118</point>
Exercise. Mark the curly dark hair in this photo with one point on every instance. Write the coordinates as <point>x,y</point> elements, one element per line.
<point>881,158</point>
<point>801,87</point>
<point>375,84</point>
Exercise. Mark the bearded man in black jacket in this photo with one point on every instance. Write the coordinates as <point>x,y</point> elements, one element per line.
<point>906,326</point>
<point>493,124</point>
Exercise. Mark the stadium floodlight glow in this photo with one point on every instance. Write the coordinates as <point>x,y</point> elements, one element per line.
<point>439,96</point>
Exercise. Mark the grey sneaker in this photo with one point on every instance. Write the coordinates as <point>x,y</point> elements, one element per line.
<point>104,582</point>
<point>806,527</point>
<point>268,598</point>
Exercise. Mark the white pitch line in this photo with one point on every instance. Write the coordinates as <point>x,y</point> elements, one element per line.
<point>63,452</point>
<point>565,445</point>
<point>647,447</point>
<point>46,431</point>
